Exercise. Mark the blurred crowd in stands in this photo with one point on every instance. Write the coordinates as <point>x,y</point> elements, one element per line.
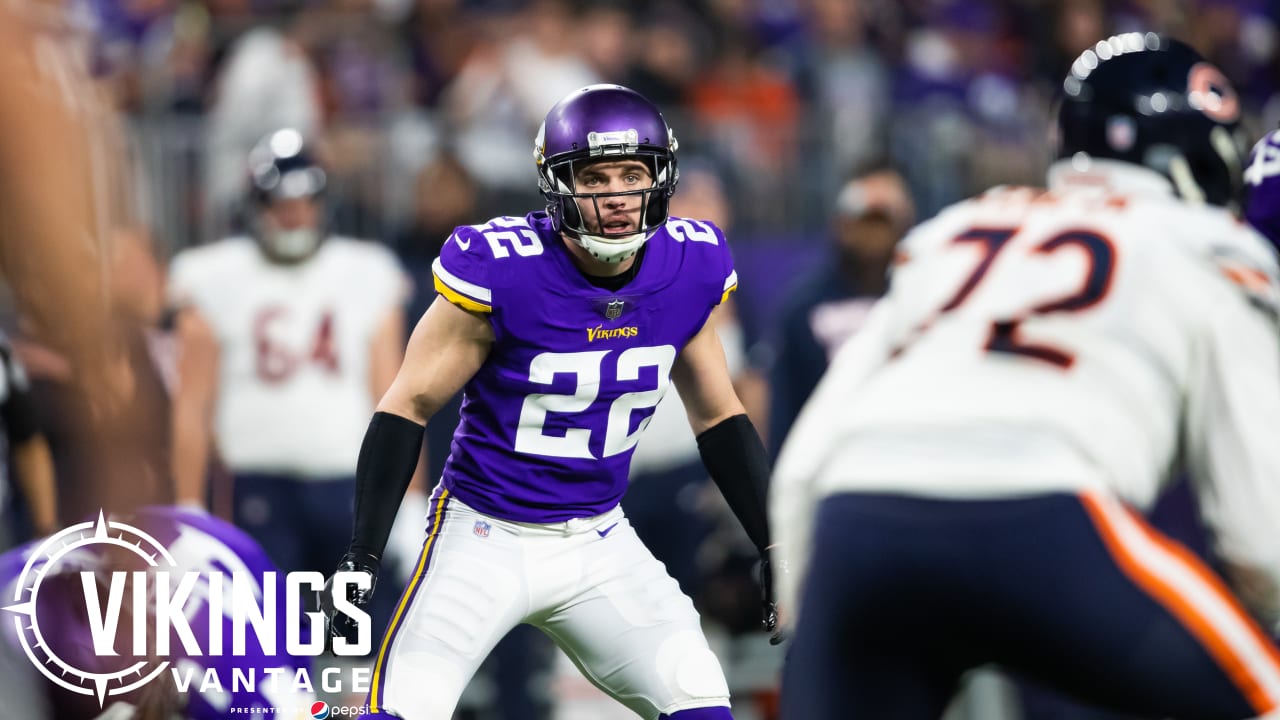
<point>426,109</point>
<point>784,98</point>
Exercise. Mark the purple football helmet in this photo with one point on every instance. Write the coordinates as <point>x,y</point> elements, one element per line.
<point>600,122</point>
<point>1262,187</point>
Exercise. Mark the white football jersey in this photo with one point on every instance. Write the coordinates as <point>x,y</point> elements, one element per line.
<point>294,393</point>
<point>1088,337</point>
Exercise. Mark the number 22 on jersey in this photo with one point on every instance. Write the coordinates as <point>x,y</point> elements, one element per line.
<point>586,369</point>
<point>1003,336</point>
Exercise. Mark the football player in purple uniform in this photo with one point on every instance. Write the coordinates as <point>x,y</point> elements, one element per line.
<point>564,329</point>
<point>1262,187</point>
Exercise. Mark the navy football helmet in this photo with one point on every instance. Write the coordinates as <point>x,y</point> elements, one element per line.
<point>1154,101</point>
<point>1262,187</point>
<point>605,122</point>
<point>282,168</point>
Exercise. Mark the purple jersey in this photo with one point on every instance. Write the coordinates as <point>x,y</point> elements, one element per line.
<point>550,420</point>
<point>1262,187</point>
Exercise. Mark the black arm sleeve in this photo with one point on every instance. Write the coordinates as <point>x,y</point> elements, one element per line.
<point>387,460</point>
<point>738,463</point>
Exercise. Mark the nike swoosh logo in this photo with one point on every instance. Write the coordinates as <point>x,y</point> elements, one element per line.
<point>605,531</point>
<point>464,244</point>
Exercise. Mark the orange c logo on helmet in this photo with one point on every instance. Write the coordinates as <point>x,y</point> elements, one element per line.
<point>1209,91</point>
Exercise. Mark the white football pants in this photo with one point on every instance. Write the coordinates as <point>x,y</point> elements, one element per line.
<point>589,583</point>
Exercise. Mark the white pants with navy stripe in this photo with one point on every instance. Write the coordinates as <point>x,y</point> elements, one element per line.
<point>589,583</point>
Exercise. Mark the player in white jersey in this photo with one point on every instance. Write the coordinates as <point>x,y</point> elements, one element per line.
<point>308,332</point>
<point>961,489</point>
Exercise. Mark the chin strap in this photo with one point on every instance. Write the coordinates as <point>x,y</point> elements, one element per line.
<point>629,246</point>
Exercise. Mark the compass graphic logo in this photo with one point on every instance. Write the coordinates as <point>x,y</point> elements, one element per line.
<point>63,547</point>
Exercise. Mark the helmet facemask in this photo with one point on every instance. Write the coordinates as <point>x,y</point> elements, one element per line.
<point>295,241</point>
<point>557,179</point>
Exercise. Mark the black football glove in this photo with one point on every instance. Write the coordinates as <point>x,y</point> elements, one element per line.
<point>770,600</point>
<point>340,624</point>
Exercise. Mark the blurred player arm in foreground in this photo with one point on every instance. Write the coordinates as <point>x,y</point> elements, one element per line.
<point>50,229</point>
<point>194,401</point>
<point>445,350</point>
<point>1233,410</point>
<point>792,496</point>
<point>730,447</point>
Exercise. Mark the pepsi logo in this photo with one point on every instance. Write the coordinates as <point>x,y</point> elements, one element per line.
<point>319,710</point>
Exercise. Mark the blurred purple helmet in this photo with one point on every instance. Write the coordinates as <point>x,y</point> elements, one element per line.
<point>605,122</point>
<point>197,542</point>
<point>1262,187</point>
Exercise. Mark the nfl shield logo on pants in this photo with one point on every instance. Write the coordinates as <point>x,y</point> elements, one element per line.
<point>482,528</point>
<point>613,310</point>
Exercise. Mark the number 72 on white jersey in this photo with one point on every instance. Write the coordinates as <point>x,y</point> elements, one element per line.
<point>1004,337</point>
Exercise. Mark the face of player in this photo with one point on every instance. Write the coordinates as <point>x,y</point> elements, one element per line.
<point>869,239</point>
<point>291,228</point>
<point>600,181</point>
<point>287,214</point>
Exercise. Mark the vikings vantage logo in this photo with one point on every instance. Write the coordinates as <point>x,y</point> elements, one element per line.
<point>48,656</point>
